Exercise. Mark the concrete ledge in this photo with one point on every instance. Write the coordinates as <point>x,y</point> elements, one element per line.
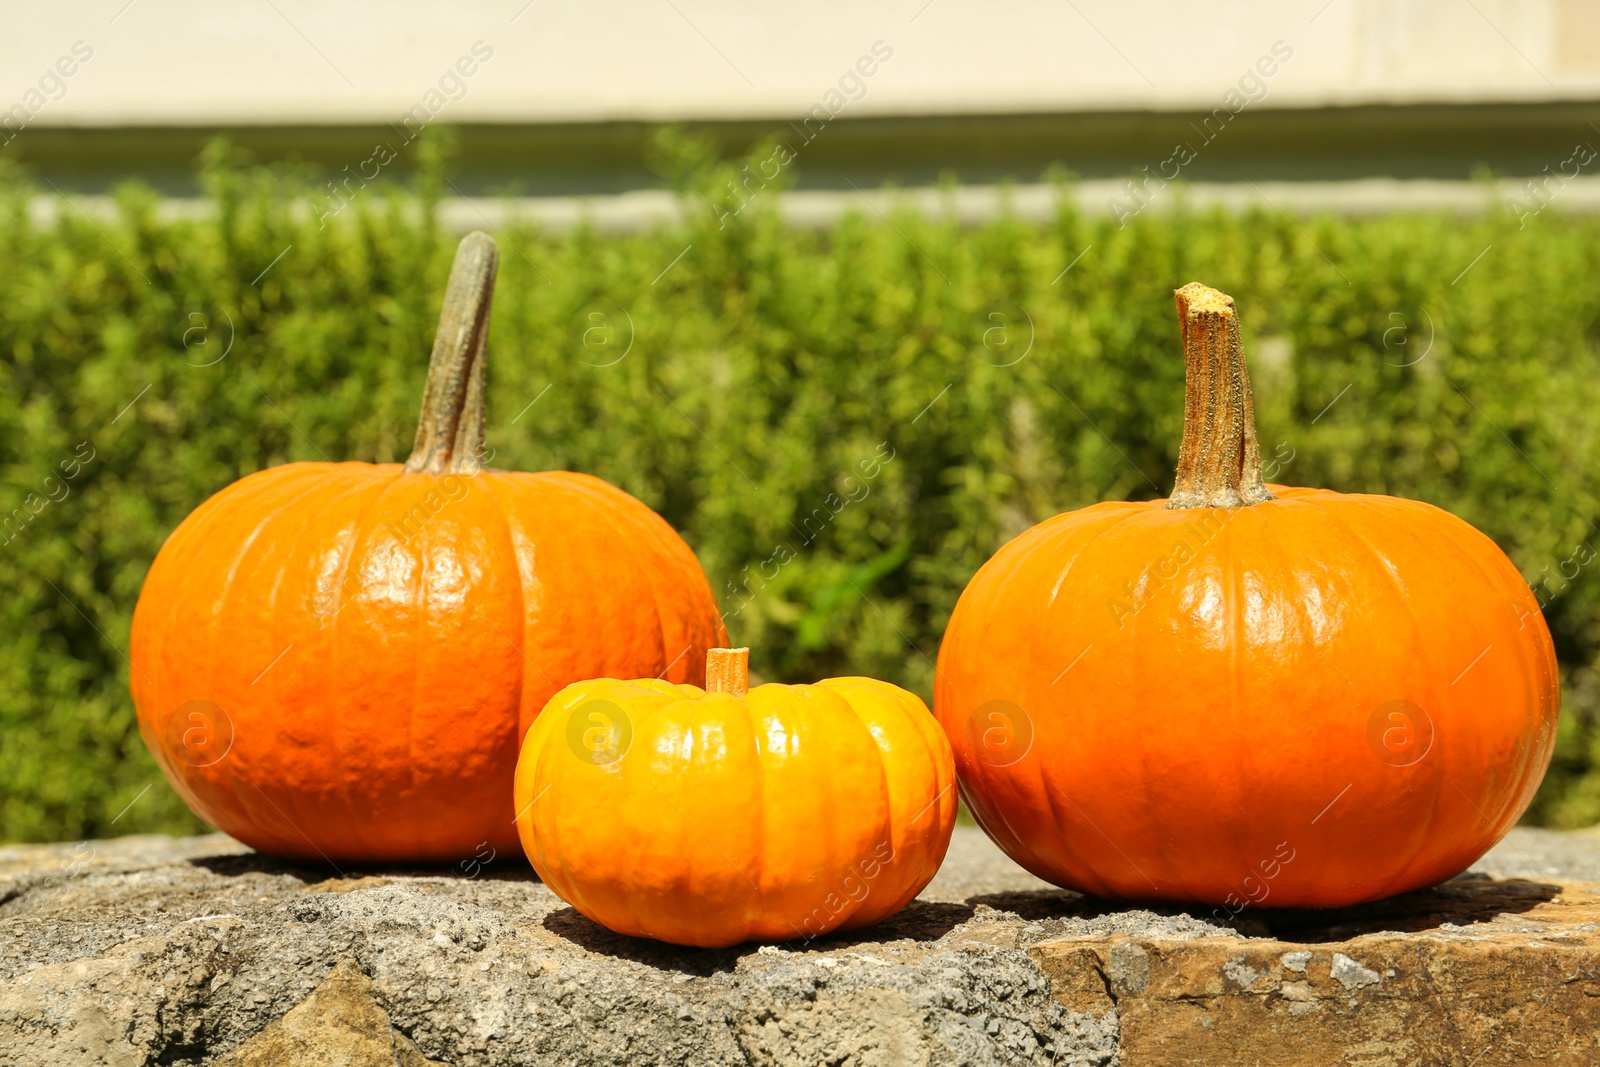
<point>967,205</point>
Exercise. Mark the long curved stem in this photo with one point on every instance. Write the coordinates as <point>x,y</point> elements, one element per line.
<point>1219,461</point>
<point>450,431</point>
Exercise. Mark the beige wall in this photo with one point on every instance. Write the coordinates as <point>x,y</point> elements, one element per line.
<point>177,62</point>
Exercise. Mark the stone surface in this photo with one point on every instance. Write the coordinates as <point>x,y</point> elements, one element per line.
<point>341,1024</point>
<point>1475,972</point>
<point>151,950</point>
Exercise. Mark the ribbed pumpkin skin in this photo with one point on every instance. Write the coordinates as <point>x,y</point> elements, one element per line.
<point>784,814</point>
<point>1219,718</point>
<point>378,676</point>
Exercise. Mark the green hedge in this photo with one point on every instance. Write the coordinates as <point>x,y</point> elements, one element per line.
<point>735,374</point>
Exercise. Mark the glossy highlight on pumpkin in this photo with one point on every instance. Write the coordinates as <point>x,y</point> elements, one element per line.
<point>1257,696</point>
<point>784,812</point>
<point>376,675</point>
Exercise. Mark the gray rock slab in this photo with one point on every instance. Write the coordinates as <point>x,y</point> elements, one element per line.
<point>146,950</point>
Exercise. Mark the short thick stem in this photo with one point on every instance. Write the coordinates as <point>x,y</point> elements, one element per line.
<point>450,431</point>
<point>728,671</point>
<point>1219,461</point>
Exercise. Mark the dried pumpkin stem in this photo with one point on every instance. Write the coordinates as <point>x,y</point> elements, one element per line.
<point>1219,461</point>
<point>450,431</point>
<point>728,671</point>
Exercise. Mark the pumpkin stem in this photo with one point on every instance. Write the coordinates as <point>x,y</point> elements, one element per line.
<point>728,671</point>
<point>450,431</point>
<point>1219,461</point>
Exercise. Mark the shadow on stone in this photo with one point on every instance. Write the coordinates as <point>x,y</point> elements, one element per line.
<point>235,866</point>
<point>1460,902</point>
<point>1036,905</point>
<point>591,936</point>
<point>919,921</point>
<point>352,875</point>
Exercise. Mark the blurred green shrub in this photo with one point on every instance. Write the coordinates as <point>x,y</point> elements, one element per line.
<point>844,423</point>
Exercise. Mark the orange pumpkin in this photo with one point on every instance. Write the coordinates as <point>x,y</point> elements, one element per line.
<point>713,817</point>
<point>337,661</point>
<point>1247,693</point>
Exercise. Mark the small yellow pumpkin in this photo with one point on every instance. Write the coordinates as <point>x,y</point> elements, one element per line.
<point>710,817</point>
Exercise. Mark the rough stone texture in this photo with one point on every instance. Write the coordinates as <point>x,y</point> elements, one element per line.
<point>150,950</point>
<point>341,1024</point>
<point>1475,972</point>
